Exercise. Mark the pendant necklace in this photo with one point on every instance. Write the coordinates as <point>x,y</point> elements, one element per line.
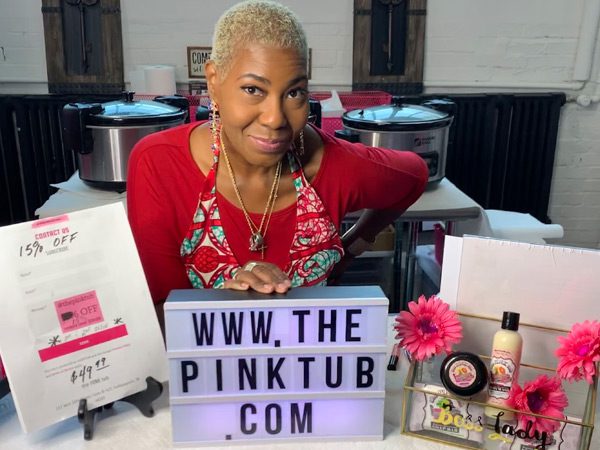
<point>257,234</point>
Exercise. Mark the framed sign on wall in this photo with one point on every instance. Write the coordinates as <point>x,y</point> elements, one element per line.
<point>196,57</point>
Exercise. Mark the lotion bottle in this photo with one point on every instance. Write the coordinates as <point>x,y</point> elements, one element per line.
<point>504,365</point>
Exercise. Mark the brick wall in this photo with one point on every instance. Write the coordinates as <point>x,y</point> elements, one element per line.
<point>471,45</point>
<point>575,195</point>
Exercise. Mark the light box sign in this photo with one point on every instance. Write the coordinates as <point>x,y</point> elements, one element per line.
<point>307,365</point>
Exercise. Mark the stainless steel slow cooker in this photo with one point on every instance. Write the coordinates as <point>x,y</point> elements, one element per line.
<point>403,126</point>
<point>102,135</point>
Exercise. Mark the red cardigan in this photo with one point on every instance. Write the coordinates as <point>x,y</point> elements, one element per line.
<point>163,184</point>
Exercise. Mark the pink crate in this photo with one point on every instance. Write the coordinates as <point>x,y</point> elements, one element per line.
<point>350,101</point>
<point>357,99</point>
<point>330,124</point>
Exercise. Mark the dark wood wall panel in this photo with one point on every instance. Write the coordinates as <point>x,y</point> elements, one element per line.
<point>411,81</point>
<point>104,50</point>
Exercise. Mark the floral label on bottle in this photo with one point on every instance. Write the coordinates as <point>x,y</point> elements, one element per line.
<point>502,374</point>
<point>462,373</point>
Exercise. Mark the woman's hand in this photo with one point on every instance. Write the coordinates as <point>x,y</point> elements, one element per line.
<point>261,277</point>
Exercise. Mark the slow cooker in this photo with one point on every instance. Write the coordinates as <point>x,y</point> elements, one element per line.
<point>102,135</point>
<point>421,128</point>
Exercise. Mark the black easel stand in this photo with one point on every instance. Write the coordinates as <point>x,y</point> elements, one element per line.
<point>141,400</point>
<point>4,387</point>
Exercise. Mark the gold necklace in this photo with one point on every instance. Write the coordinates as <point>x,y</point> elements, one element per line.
<point>257,234</point>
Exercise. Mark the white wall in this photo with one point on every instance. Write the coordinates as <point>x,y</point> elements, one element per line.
<point>159,32</point>
<point>525,43</point>
<point>528,46</point>
<point>22,52</point>
<point>471,45</point>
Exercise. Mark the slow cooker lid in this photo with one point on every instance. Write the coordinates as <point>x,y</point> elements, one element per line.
<point>396,117</point>
<point>131,113</point>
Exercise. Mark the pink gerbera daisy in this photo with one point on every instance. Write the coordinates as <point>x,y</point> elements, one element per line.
<point>543,396</point>
<point>579,352</point>
<point>429,328</point>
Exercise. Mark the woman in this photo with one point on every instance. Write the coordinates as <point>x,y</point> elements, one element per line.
<point>254,198</point>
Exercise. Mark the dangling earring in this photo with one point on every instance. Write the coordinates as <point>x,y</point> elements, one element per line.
<point>300,149</point>
<point>215,120</point>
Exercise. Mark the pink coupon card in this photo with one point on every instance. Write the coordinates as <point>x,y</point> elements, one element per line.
<point>78,311</point>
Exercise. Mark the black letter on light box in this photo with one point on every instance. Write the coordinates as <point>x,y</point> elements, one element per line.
<point>185,376</point>
<point>361,372</point>
<point>328,381</point>
<point>273,373</point>
<point>219,368</point>
<point>269,418</point>
<point>233,327</point>
<point>250,373</point>
<point>260,334</point>
<point>304,423</point>
<point>301,314</point>
<point>204,332</point>
<point>305,360</point>
<point>350,325</point>
<point>243,426</point>
<point>323,325</point>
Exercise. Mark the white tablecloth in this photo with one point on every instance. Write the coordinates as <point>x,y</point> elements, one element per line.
<point>74,195</point>
<point>124,427</point>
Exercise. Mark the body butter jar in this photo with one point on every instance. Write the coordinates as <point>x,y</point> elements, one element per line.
<point>464,374</point>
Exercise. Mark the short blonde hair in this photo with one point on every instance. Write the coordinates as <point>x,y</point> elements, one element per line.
<point>256,22</point>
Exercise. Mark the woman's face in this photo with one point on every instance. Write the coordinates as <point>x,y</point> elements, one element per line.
<point>262,100</point>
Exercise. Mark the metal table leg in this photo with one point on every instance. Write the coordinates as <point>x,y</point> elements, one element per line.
<point>411,262</point>
<point>398,265</point>
<point>404,262</point>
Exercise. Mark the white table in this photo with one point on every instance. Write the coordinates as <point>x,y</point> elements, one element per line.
<point>74,195</point>
<point>123,427</point>
<point>440,202</point>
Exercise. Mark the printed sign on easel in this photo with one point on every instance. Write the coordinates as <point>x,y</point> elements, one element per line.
<point>76,320</point>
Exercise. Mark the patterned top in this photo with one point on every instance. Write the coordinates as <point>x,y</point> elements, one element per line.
<point>316,246</point>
